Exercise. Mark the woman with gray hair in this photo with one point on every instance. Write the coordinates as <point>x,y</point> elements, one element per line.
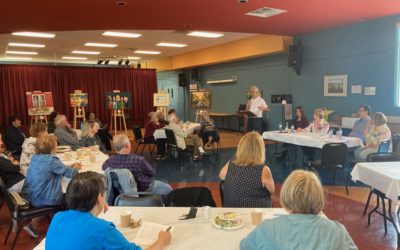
<point>375,132</point>
<point>304,227</point>
<point>319,125</point>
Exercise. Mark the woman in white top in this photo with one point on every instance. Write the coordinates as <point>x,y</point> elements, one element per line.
<point>36,131</point>
<point>319,125</point>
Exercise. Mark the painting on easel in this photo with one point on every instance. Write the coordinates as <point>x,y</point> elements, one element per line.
<point>118,100</point>
<point>200,99</point>
<point>39,103</point>
<point>78,99</point>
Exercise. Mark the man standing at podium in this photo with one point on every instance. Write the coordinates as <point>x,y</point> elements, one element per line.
<point>256,105</point>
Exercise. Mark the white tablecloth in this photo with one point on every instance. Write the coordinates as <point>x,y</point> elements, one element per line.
<point>188,128</point>
<point>196,233</point>
<point>86,165</point>
<point>383,176</point>
<point>310,139</point>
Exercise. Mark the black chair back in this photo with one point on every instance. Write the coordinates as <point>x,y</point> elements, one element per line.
<point>384,146</point>
<point>333,154</point>
<point>221,191</point>
<point>171,140</point>
<point>148,200</point>
<point>190,197</point>
<point>396,142</point>
<point>382,157</point>
<point>137,133</point>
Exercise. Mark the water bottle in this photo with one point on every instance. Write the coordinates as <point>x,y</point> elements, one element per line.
<point>330,133</point>
<point>339,133</point>
<point>292,128</point>
<point>280,127</point>
<point>286,127</point>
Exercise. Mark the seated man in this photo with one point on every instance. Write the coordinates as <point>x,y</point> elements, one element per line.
<point>65,135</point>
<point>183,139</point>
<point>14,137</point>
<point>142,171</point>
<point>361,123</point>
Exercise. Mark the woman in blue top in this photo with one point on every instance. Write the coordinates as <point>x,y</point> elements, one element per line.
<point>42,185</point>
<point>304,228</point>
<point>79,227</point>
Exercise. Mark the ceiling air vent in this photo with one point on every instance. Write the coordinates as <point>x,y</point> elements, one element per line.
<point>265,12</point>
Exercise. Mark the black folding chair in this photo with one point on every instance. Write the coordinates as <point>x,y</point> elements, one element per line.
<point>172,145</point>
<point>333,156</point>
<point>190,197</point>
<point>380,157</point>
<point>221,192</point>
<point>139,199</point>
<point>22,216</point>
<point>384,146</point>
<point>140,141</point>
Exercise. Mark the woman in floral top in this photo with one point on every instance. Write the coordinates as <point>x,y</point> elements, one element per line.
<point>319,125</point>
<point>375,132</point>
<point>36,131</point>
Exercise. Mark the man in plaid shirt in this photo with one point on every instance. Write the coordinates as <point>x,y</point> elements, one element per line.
<point>142,171</point>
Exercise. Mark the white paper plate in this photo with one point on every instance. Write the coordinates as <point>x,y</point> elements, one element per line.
<point>240,225</point>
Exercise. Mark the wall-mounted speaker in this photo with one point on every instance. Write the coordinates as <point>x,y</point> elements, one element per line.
<point>295,59</point>
<point>183,80</point>
<point>195,75</point>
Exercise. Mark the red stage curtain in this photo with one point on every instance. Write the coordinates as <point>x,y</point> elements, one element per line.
<point>15,80</point>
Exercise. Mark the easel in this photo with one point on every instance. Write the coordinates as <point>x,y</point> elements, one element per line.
<point>118,115</point>
<point>199,112</point>
<point>79,112</point>
<point>38,118</point>
<point>161,101</point>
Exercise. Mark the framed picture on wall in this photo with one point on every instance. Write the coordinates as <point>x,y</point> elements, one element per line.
<point>200,99</point>
<point>335,85</point>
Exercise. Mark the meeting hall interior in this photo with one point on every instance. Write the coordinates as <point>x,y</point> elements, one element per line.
<point>213,124</point>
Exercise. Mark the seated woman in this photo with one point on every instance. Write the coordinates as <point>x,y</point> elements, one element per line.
<point>208,132</point>
<point>184,139</point>
<point>89,136</point>
<point>301,121</point>
<point>10,171</point>
<point>248,181</point>
<point>152,126</point>
<point>42,185</point>
<point>51,126</point>
<point>37,130</point>
<point>303,198</point>
<point>318,125</point>
<point>375,132</point>
<point>103,132</point>
<point>80,227</point>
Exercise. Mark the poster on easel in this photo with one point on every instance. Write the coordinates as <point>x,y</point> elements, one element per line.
<point>118,100</point>
<point>39,103</point>
<point>161,99</point>
<point>78,99</point>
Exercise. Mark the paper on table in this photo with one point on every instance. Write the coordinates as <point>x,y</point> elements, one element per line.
<point>148,233</point>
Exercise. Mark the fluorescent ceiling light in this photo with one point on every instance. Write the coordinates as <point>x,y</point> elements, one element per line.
<point>85,52</point>
<point>17,58</point>
<point>134,57</point>
<point>21,52</point>
<point>74,58</point>
<point>265,12</point>
<point>34,34</point>
<point>147,52</point>
<point>121,34</point>
<point>108,45</point>
<point>27,45</point>
<point>176,45</point>
<point>204,34</point>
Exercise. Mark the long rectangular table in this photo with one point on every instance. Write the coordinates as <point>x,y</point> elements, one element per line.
<point>196,233</point>
<point>384,177</point>
<point>309,139</point>
<point>222,116</point>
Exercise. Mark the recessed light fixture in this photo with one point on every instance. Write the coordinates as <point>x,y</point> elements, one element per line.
<point>74,58</point>
<point>27,45</point>
<point>17,58</point>
<point>85,52</point>
<point>175,45</point>
<point>134,57</point>
<point>147,52</point>
<point>107,45</point>
<point>121,34</point>
<point>21,52</point>
<point>34,34</point>
<point>205,34</point>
